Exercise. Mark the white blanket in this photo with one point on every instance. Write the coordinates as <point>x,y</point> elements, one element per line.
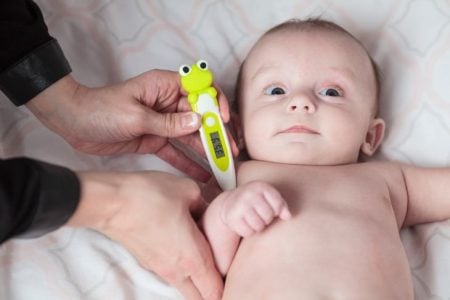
<point>107,41</point>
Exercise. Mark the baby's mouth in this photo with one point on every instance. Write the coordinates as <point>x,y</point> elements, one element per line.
<point>299,129</point>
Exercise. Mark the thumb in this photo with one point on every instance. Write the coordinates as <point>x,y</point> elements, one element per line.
<point>173,124</point>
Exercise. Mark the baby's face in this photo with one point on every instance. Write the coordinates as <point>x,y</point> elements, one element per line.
<point>307,98</point>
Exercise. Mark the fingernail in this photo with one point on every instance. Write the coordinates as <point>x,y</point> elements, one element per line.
<point>189,120</point>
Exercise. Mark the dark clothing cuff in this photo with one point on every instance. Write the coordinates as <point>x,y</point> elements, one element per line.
<point>34,73</point>
<point>35,197</point>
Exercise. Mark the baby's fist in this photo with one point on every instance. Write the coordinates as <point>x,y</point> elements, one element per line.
<point>252,207</point>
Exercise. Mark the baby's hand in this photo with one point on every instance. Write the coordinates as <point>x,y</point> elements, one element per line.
<point>252,207</point>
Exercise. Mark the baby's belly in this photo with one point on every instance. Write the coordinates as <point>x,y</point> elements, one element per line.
<point>322,254</point>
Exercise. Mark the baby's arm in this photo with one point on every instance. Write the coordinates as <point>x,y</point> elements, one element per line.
<point>240,212</point>
<point>428,194</point>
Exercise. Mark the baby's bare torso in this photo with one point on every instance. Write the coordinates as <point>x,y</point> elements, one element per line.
<point>342,242</point>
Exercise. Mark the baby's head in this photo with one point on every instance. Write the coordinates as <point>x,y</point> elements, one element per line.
<point>308,94</point>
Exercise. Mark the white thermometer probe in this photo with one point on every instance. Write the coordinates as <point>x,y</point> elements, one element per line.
<point>197,81</point>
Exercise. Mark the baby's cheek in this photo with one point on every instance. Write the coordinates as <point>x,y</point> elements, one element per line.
<point>251,144</point>
<point>258,131</point>
<point>347,148</point>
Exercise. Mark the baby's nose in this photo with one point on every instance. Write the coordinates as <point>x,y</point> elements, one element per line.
<point>302,103</point>
<point>305,107</point>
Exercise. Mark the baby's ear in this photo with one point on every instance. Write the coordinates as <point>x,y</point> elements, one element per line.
<point>374,136</point>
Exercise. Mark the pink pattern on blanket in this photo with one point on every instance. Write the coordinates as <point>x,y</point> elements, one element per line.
<point>111,40</point>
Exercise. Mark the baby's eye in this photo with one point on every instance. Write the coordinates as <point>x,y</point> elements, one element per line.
<point>274,90</point>
<point>330,92</point>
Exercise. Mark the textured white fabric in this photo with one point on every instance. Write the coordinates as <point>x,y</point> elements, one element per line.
<point>111,40</point>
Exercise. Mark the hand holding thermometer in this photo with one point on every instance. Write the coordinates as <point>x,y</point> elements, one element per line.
<point>197,81</point>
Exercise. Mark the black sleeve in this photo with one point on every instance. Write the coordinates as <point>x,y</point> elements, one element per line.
<point>35,197</point>
<point>30,59</point>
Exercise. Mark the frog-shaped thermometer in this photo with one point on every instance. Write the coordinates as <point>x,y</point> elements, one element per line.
<point>197,81</point>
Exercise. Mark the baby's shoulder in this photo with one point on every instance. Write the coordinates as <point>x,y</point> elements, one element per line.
<point>382,168</point>
<point>388,172</point>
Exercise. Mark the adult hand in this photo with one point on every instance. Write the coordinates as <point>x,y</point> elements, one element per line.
<point>135,116</point>
<point>150,214</point>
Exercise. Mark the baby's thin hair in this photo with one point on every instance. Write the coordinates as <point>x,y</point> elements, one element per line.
<point>313,24</point>
<point>309,24</point>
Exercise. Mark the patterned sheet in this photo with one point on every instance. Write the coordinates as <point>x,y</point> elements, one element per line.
<point>110,40</point>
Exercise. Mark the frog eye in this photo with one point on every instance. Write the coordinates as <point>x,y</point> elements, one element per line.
<point>202,65</point>
<point>184,70</point>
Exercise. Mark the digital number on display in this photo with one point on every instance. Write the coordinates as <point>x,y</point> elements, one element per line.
<point>217,144</point>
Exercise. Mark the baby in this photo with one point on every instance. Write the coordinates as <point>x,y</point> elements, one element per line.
<point>307,99</point>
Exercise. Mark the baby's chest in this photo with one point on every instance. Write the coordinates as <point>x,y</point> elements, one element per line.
<point>339,191</point>
<point>343,191</point>
<point>342,212</point>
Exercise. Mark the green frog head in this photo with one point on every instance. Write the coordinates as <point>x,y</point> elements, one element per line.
<point>196,78</point>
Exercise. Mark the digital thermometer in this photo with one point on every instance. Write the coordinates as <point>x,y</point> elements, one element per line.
<point>197,81</point>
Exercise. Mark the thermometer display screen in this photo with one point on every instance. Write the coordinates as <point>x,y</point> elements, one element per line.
<point>217,144</point>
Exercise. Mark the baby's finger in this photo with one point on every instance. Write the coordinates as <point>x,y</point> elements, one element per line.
<point>254,220</point>
<point>265,211</point>
<point>285,214</point>
<point>241,227</point>
<point>275,200</point>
